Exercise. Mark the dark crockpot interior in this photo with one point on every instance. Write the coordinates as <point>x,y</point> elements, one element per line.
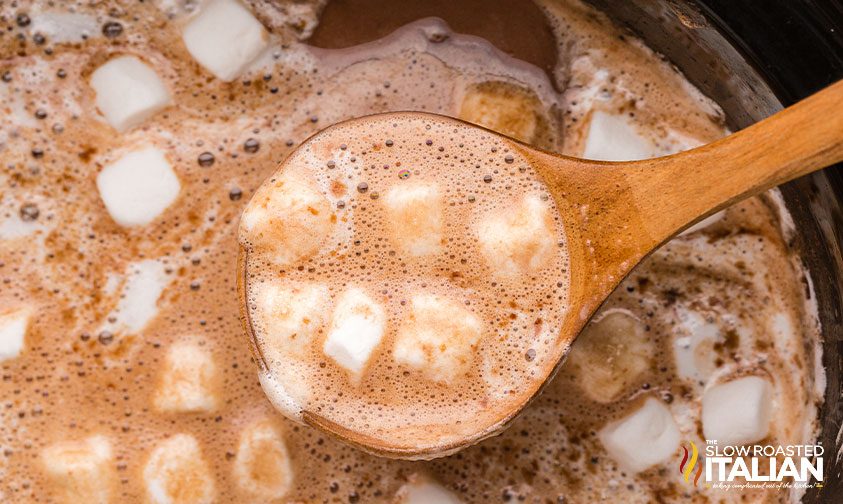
<point>753,58</point>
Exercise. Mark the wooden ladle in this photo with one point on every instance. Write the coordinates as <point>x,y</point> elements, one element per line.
<point>616,213</point>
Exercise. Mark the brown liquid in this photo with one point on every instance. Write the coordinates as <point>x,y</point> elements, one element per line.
<point>82,375</point>
<point>418,389</point>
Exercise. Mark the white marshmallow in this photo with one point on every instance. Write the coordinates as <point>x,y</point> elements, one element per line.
<point>357,327</point>
<point>693,344</point>
<point>439,337</point>
<point>13,327</point>
<point>128,92</point>
<point>262,464</point>
<point>187,381</point>
<point>224,38</point>
<point>138,305</point>
<point>138,187</point>
<point>289,219</point>
<point>610,356</point>
<point>737,412</point>
<point>80,471</point>
<point>176,473</point>
<point>519,240</point>
<point>614,138</point>
<point>290,316</point>
<point>422,490</point>
<point>644,438</point>
<point>416,218</point>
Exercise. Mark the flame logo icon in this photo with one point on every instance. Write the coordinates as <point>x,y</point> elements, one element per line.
<point>687,470</point>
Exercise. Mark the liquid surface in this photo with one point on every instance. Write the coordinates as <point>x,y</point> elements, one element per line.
<point>134,382</point>
<point>448,232</point>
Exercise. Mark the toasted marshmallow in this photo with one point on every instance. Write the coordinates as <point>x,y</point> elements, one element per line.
<point>187,381</point>
<point>613,137</point>
<point>504,108</point>
<point>610,356</point>
<point>176,473</point>
<point>737,412</point>
<point>80,471</point>
<point>357,328</point>
<point>423,490</point>
<point>13,327</point>
<point>438,338</point>
<point>518,241</point>
<point>138,187</point>
<point>290,316</point>
<point>128,92</point>
<point>642,439</point>
<point>225,38</point>
<point>262,465</point>
<point>415,217</point>
<point>289,219</point>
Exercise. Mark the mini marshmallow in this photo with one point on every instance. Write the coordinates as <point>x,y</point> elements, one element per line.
<point>80,471</point>
<point>693,344</point>
<point>128,92</point>
<point>187,381</point>
<point>737,412</point>
<point>290,316</point>
<point>505,108</point>
<point>224,38</point>
<point>416,218</point>
<point>610,356</point>
<point>176,473</point>
<point>439,338</point>
<point>138,187</point>
<point>13,327</point>
<point>519,240</point>
<point>289,219</point>
<point>423,490</point>
<point>613,137</point>
<point>642,439</point>
<point>262,464</point>
<point>357,327</point>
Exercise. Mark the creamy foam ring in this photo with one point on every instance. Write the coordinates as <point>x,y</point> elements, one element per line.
<point>404,281</point>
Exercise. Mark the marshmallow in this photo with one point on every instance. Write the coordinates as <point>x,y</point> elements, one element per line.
<point>614,138</point>
<point>262,465</point>
<point>128,92</point>
<point>224,38</point>
<point>422,490</point>
<point>610,356</point>
<point>519,240</point>
<point>415,216</point>
<point>288,219</point>
<point>80,471</point>
<point>644,438</point>
<point>737,412</point>
<point>439,338</point>
<point>138,187</point>
<point>13,328</point>
<point>357,327</point>
<point>693,344</point>
<point>176,473</point>
<point>505,108</point>
<point>138,305</point>
<point>290,316</point>
<point>187,381</point>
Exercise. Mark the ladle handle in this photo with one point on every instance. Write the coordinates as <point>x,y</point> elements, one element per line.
<point>688,186</point>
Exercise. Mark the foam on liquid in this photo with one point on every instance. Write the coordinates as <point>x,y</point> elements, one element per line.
<point>90,374</point>
<point>355,166</point>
